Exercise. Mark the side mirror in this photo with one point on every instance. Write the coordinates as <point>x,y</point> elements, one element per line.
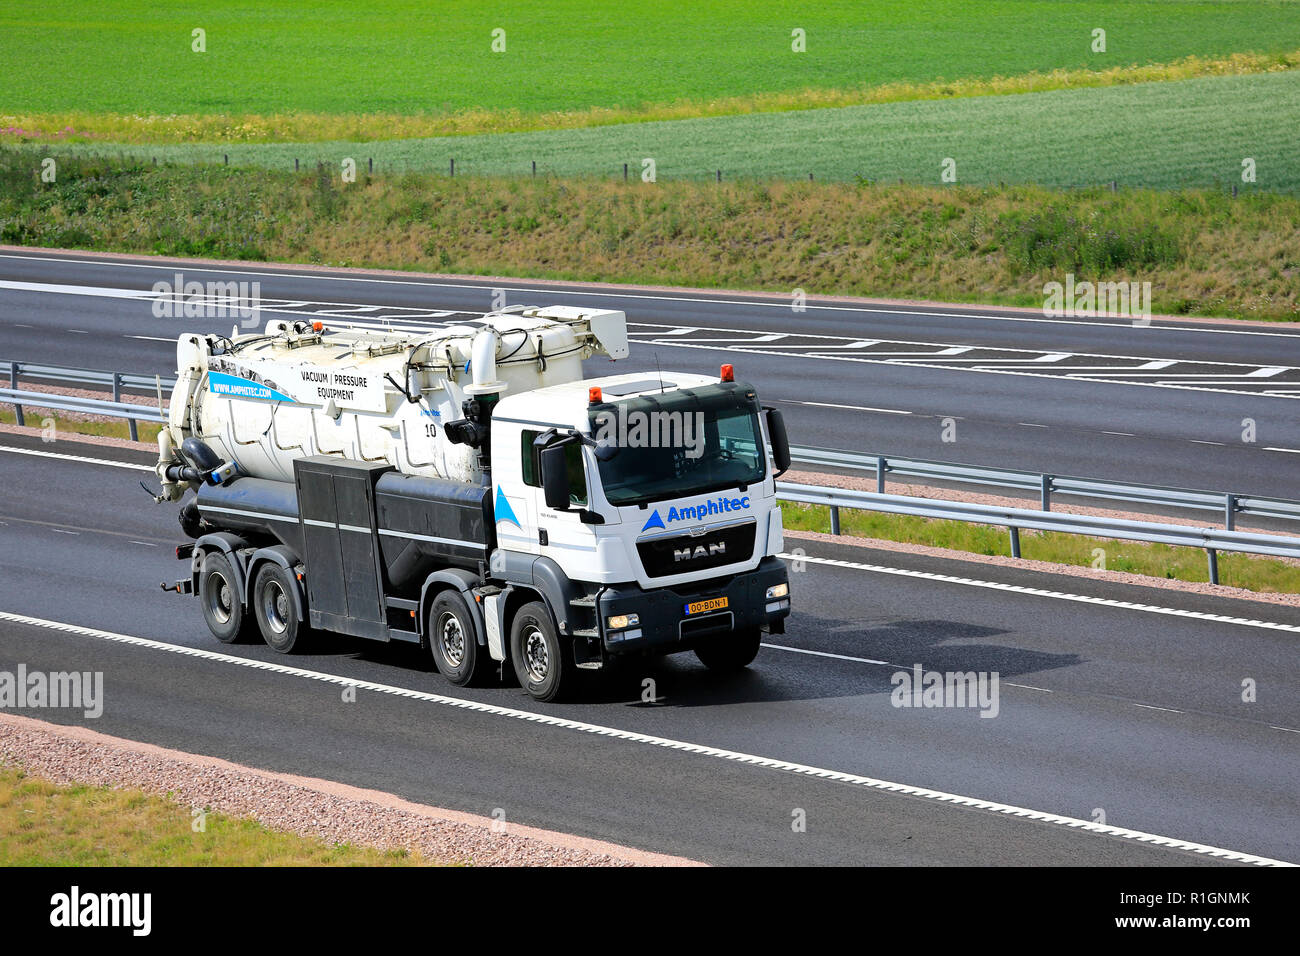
<point>555,478</point>
<point>605,450</point>
<point>780,441</point>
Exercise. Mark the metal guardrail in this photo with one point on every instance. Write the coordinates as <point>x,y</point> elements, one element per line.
<point>1228,504</point>
<point>91,406</point>
<point>1211,540</point>
<point>71,375</point>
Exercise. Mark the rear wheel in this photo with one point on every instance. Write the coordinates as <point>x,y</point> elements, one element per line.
<point>538,656</point>
<point>219,598</point>
<point>729,652</point>
<point>452,639</point>
<point>276,610</point>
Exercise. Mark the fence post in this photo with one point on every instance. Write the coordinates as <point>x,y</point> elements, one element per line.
<point>881,468</point>
<point>1214,564</point>
<point>1229,512</point>
<point>372,164</point>
<point>453,166</point>
<point>835,519</point>
<point>534,169</point>
<point>1047,493</point>
<point>1015,541</point>
<point>625,172</point>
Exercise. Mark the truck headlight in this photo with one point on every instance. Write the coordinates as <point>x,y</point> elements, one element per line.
<point>778,591</point>
<point>620,621</point>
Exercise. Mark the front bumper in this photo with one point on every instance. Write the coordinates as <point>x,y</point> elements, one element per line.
<point>664,625</point>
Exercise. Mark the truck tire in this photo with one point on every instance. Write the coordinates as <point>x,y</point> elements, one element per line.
<point>274,607</point>
<point>219,599</point>
<point>729,652</point>
<point>452,640</point>
<point>541,665</point>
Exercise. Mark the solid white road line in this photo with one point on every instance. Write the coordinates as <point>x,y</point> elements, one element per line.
<point>1041,592</point>
<point>703,750</point>
<point>89,461</point>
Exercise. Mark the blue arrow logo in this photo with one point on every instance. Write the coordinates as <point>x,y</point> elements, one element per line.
<point>503,510</point>
<point>654,521</point>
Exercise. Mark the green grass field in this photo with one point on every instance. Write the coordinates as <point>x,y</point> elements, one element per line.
<point>1159,135</point>
<point>333,57</point>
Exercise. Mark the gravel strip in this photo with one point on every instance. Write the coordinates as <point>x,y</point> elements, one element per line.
<point>322,809</point>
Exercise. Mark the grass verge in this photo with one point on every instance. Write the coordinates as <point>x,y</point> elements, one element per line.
<point>45,824</point>
<point>54,425</point>
<point>1154,560</point>
<point>1204,252</point>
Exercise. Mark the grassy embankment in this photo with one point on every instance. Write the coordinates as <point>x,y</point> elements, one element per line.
<point>1203,252</point>
<point>44,824</point>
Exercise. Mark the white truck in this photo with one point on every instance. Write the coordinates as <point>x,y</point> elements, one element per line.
<point>466,489</point>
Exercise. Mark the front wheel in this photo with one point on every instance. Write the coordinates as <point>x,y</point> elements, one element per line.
<point>277,614</point>
<point>729,652</point>
<point>538,656</point>
<point>452,640</point>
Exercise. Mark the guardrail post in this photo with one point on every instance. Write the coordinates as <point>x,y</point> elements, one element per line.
<point>1047,493</point>
<point>1214,565</point>
<point>13,375</point>
<point>1015,541</point>
<point>1229,512</point>
<point>835,519</point>
<point>117,397</point>
<point>881,468</point>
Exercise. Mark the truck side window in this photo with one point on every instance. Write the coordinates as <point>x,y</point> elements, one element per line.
<point>577,475</point>
<point>532,474</point>
<point>531,469</point>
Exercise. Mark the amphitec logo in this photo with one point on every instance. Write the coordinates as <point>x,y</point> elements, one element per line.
<point>208,300</point>
<point>715,506</point>
<point>626,428</point>
<point>1128,300</point>
<point>77,690</point>
<point>75,909</point>
<point>922,688</point>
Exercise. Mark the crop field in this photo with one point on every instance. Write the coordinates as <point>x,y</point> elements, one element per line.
<point>1160,135</point>
<point>416,59</point>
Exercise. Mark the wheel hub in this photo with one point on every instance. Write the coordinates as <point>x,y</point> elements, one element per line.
<point>537,657</point>
<point>452,639</point>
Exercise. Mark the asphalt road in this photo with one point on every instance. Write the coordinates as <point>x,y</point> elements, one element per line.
<point>1170,403</point>
<point>1104,707</point>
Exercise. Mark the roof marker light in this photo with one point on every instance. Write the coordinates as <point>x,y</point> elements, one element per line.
<point>594,396</point>
<point>727,373</point>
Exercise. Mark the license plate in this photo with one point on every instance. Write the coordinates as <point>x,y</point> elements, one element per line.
<point>704,607</point>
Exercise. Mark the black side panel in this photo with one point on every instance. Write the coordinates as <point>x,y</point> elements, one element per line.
<point>430,523</point>
<point>354,497</point>
<point>336,500</point>
<point>324,559</point>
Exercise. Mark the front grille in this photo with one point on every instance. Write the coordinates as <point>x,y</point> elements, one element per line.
<point>682,553</point>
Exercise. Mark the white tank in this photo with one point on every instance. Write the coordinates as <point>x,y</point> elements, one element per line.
<point>264,399</point>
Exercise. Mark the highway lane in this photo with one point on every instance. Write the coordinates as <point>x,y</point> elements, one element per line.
<point>1136,713</point>
<point>855,398</point>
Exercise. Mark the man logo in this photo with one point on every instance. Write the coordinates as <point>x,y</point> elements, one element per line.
<point>700,551</point>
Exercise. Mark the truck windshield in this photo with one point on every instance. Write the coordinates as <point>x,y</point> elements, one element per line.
<point>683,442</point>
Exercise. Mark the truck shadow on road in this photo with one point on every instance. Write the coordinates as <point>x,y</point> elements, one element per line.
<point>817,658</point>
